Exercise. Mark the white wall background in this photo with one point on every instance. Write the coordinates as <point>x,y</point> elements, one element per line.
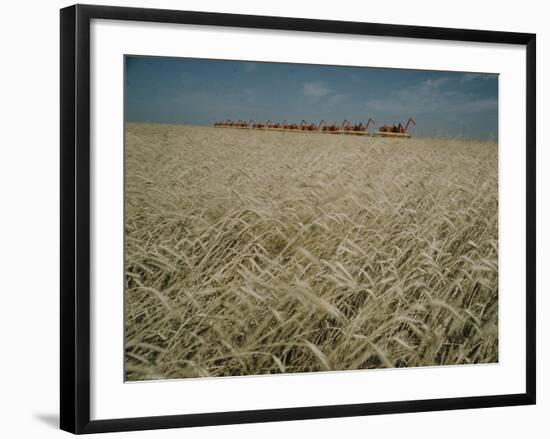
<point>29,206</point>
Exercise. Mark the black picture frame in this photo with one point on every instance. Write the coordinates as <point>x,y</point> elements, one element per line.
<point>75,217</point>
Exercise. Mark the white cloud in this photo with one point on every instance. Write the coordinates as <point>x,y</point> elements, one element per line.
<point>336,98</point>
<point>467,77</point>
<point>434,83</point>
<point>477,106</point>
<point>315,90</point>
<point>429,97</point>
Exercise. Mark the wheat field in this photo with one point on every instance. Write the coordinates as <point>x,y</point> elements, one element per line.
<point>250,252</point>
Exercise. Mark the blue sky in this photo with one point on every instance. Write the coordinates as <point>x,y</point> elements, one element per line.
<point>201,91</point>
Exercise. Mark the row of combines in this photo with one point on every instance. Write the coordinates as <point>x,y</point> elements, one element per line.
<point>346,127</point>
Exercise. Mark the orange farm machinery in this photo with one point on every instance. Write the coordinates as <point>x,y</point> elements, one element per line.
<point>355,128</point>
<point>346,127</point>
<point>395,130</point>
<point>231,124</point>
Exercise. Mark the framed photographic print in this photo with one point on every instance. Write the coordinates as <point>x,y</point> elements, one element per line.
<point>268,218</point>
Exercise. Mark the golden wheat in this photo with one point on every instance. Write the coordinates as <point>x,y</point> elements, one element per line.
<point>266,252</point>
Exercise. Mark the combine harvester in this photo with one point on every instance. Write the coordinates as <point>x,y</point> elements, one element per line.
<point>395,130</point>
<point>292,127</point>
<point>329,129</point>
<point>230,124</point>
<point>346,127</point>
<point>304,126</point>
<point>356,129</point>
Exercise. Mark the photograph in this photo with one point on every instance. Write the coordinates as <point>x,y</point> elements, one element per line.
<point>284,218</point>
